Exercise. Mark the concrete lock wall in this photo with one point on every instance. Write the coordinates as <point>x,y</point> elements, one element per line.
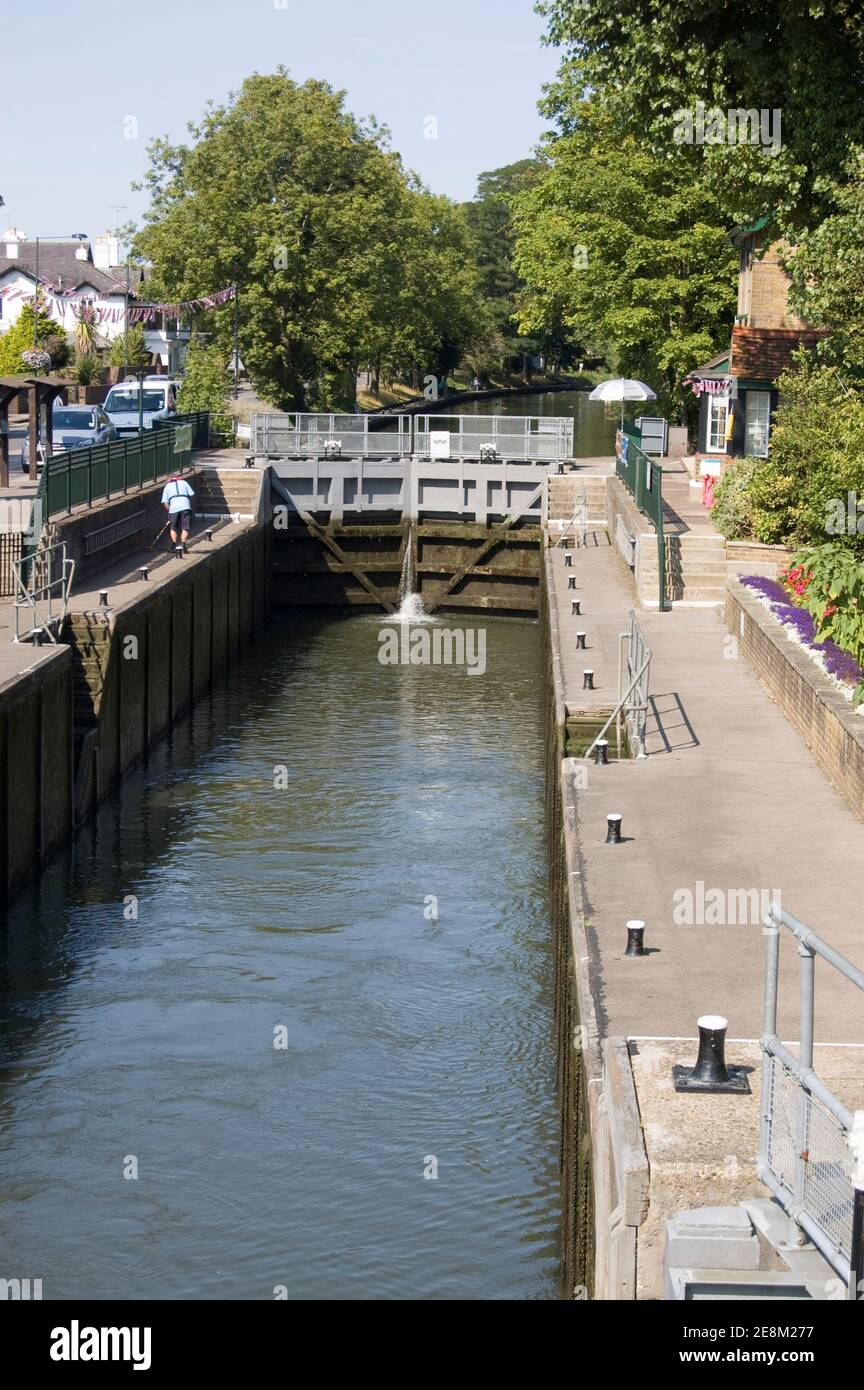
<point>159,654</point>
<point>604,1168</point>
<point>35,767</point>
<point>166,650</point>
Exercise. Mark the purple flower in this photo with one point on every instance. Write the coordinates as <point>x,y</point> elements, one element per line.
<point>768,588</point>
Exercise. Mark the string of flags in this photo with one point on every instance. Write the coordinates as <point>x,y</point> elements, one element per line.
<point>59,299</point>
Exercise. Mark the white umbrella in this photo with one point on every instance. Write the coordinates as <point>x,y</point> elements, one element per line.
<point>622,388</point>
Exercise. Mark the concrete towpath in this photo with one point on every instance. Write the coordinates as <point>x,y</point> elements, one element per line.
<point>729,798</point>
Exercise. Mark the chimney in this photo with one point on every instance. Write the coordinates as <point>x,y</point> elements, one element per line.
<point>12,238</point>
<point>106,251</point>
<point>83,251</point>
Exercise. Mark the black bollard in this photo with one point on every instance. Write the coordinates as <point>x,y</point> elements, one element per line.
<point>568,560</point>
<point>587,680</point>
<point>601,752</point>
<point>576,608</point>
<point>144,571</point>
<point>635,939</point>
<point>38,636</point>
<point>179,551</point>
<point>710,1072</point>
<point>209,533</point>
<point>103,598</point>
<point>571,582</point>
<point>613,829</point>
<point>580,641</point>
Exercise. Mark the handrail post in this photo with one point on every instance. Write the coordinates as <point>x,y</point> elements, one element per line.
<point>805,1057</point>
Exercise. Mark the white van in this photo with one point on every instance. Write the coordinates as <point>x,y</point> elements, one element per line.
<point>126,403</point>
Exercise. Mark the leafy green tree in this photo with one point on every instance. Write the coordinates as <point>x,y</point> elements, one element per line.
<point>286,194</point>
<point>648,60</point>
<point>490,218</point>
<point>31,328</point>
<point>206,380</point>
<point>133,353</point>
<point>629,253</point>
<point>816,458</point>
<point>827,272</point>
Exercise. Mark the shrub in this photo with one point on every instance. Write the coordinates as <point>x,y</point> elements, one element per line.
<point>816,457</point>
<point>834,596</point>
<point>732,513</point>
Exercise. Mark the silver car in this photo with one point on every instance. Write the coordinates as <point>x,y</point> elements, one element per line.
<point>73,427</point>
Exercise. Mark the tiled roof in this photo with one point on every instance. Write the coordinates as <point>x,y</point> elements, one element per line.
<point>58,265</point>
<point>761,354</point>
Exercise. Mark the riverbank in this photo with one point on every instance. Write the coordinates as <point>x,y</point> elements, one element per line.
<point>76,717</point>
<point>713,808</point>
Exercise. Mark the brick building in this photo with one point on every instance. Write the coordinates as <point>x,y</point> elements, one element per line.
<point>737,389</point>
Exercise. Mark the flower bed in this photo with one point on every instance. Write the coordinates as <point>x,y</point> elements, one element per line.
<point>839,665</point>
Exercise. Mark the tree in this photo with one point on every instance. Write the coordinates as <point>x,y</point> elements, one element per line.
<point>827,272</point>
<point>490,219</point>
<point>647,61</point>
<point>306,209</point>
<point>206,380</point>
<point>130,352</point>
<point>629,253</point>
<point>31,328</point>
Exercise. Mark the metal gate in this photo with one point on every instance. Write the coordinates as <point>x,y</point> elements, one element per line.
<point>308,434</point>
<point>535,438</point>
<point>10,554</point>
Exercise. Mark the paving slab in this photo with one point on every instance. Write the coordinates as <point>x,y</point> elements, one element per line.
<point>729,798</point>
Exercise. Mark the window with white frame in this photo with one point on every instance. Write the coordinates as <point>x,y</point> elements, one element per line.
<point>718,414</point>
<point>756,422</point>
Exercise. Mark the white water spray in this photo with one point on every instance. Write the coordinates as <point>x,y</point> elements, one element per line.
<point>411,608</point>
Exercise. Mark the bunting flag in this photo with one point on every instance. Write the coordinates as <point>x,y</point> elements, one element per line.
<point>139,313</point>
<point>146,312</point>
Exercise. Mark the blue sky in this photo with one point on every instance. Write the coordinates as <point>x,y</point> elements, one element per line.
<point>477,66</point>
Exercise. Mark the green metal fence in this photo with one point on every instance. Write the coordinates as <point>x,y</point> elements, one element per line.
<point>644,480</point>
<point>84,476</point>
<point>199,421</point>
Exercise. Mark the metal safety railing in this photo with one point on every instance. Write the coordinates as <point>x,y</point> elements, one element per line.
<point>536,438</point>
<point>10,554</point>
<point>577,526</point>
<point>644,480</point>
<point>43,582</point>
<point>634,685</point>
<point>811,1146</point>
<point>310,434</point>
<point>84,476</point>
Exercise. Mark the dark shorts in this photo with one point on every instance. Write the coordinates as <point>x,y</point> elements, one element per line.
<point>181,521</point>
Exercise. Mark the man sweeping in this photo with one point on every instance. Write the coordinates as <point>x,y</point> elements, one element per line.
<point>177,500</point>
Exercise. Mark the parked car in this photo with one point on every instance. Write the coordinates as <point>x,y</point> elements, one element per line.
<point>72,427</point>
<point>125,403</point>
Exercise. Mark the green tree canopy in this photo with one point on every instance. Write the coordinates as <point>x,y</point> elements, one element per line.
<point>827,271</point>
<point>32,328</point>
<point>629,252</point>
<point>206,380</point>
<point>303,206</point>
<point>646,60</point>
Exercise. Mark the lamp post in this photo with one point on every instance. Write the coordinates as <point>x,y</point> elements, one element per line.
<point>75,236</point>
<point>236,332</point>
<point>140,375</point>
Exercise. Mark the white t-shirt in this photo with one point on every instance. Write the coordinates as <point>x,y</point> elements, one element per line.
<point>178,495</point>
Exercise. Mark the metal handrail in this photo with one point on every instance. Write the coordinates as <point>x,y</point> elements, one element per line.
<point>33,589</point>
<point>635,711</point>
<point>794,1192</point>
<point>644,481</point>
<point>578,523</point>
